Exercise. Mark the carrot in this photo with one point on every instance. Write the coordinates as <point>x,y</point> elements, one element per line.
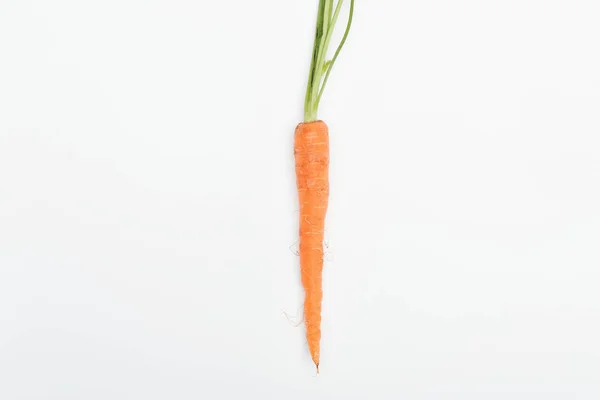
<point>311,151</point>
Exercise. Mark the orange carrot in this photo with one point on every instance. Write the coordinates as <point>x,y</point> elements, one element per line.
<point>311,150</point>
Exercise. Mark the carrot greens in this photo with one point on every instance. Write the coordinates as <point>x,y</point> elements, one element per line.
<point>320,67</point>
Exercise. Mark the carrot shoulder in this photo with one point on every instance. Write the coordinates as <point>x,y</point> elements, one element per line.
<point>311,151</point>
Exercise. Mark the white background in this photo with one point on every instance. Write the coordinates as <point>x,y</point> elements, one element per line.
<point>148,211</point>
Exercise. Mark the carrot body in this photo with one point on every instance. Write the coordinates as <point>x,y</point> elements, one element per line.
<point>311,151</point>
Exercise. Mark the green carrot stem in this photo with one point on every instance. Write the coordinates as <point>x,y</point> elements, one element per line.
<point>320,68</point>
<point>337,52</point>
<point>313,64</point>
<point>322,54</point>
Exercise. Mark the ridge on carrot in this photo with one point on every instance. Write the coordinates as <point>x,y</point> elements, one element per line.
<point>311,152</point>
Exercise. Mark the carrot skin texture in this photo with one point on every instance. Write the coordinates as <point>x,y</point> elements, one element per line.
<point>311,152</point>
